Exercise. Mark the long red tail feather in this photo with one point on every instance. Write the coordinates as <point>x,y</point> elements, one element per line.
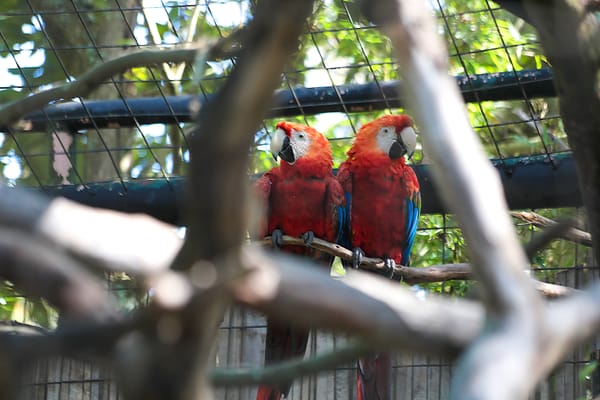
<point>374,377</point>
<point>283,342</point>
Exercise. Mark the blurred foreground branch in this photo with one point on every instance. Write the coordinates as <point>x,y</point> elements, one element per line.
<point>144,247</point>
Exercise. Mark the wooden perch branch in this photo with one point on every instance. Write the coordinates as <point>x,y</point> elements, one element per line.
<point>412,275</point>
<point>409,275</point>
<point>573,234</point>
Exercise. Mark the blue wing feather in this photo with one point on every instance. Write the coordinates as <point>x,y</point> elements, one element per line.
<point>344,238</point>
<point>341,211</point>
<point>413,209</point>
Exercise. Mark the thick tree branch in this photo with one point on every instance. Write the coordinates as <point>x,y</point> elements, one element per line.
<point>118,242</point>
<point>383,313</point>
<point>89,81</point>
<point>566,330</point>
<point>40,270</point>
<point>26,343</point>
<point>131,243</point>
<point>386,315</point>
<point>569,322</point>
<point>217,197</point>
<point>216,200</point>
<point>472,190</point>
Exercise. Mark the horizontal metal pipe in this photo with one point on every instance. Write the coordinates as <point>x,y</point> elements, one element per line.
<point>529,182</point>
<point>308,101</point>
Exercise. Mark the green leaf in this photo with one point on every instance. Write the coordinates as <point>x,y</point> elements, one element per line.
<point>586,372</point>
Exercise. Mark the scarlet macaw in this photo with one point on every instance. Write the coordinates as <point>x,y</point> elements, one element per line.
<point>383,203</point>
<point>302,198</point>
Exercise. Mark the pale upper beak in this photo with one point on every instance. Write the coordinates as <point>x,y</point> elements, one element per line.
<point>281,146</point>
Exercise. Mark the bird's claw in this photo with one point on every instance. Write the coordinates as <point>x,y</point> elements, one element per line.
<point>389,267</point>
<point>308,238</point>
<point>276,239</point>
<point>357,256</point>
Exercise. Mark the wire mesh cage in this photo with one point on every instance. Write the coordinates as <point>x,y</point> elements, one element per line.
<point>125,147</point>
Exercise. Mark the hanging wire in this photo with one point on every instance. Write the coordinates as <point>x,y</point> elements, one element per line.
<point>328,72</point>
<point>158,86</point>
<point>122,97</point>
<point>265,128</point>
<point>472,87</point>
<point>523,93</point>
<point>364,54</point>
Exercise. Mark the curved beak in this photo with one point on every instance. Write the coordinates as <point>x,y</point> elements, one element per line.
<point>281,146</point>
<point>405,144</point>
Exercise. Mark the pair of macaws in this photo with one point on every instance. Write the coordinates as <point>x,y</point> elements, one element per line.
<point>371,206</point>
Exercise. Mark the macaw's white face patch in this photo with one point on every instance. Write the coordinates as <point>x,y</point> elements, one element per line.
<point>300,142</point>
<point>386,138</point>
<point>394,144</point>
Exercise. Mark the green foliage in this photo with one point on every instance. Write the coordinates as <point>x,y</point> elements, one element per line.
<point>440,241</point>
<point>15,306</point>
<point>586,372</point>
<point>129,293</point>
<point>559,255</point>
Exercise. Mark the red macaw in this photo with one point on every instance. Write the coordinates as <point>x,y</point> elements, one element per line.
<point>383,203</point>
<point>302,198</point>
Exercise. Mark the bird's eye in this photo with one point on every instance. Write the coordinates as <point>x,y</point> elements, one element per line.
<point>301,135</point>
<point>386,130</point>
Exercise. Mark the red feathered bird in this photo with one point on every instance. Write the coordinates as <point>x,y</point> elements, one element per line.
<point>383,203</point>
<point>302,198</point>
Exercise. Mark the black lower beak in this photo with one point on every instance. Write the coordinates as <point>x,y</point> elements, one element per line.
<point>397,150</point>
<point>287,153</point>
